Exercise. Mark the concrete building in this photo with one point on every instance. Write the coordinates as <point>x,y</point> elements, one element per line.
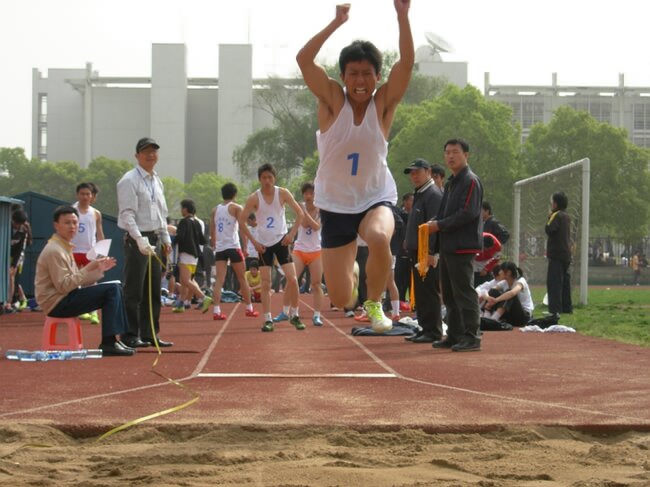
<point>78,115</point>
<point>622,106</point>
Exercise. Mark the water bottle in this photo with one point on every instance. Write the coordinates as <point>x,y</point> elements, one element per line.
<point>46,355</point>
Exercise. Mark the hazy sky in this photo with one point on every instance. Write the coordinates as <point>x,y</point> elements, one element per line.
<point>518,42</point>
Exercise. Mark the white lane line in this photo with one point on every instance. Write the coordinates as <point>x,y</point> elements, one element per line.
<point>297,376</point>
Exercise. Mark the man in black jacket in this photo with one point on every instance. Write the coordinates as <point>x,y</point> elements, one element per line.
<point>460,227</point>
<point>426,203</point>
<point>492,225</point>
<point>558,253</point>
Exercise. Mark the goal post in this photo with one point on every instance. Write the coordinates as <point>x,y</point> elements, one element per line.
<point>531,205</point>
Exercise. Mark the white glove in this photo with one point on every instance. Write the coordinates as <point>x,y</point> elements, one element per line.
<point>145,247</point>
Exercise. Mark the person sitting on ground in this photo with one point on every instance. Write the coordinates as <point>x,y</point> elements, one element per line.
<point>484,289</point>
<point>63,290</point>
<point>515,305</point>
<point>254,280</point>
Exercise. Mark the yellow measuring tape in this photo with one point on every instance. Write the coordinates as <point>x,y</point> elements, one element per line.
<point>153,366</point>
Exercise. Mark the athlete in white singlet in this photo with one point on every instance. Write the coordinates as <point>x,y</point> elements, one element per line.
<point>273,239</point>
<point>90,230</point>
<point>224,238</point>
<point>354,188</point>
<point>307,252</point>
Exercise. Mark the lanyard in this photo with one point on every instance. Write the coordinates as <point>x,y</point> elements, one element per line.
<point>150,187</point>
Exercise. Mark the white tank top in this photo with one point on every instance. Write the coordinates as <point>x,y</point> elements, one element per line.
<point>86,236</point>
<point>353,174</point>
<point>226,227</point>
<point>524,296</point>
<point>308,239</point>
<point>271,222</point>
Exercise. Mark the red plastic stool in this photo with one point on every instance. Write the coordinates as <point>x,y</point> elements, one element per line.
<point>73,326</point>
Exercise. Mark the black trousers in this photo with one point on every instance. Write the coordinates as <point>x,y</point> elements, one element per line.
<point>513,313</point>
<point>558,287</point>
<point>460,297</point>
<point>428,306</point>
<point>137,289</point>
<point>402,276</point>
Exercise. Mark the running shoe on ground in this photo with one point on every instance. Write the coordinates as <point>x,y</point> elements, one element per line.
<point>316,320</point>
<point>268,326</point>
<point>281,317</point>
<point>205,307</point>
<point>378,320</point>
<point>219,317</point>
<point>295,321</point>
<point>252,313</point>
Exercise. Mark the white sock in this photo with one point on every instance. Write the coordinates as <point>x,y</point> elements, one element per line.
<point>496,316</point>
<point>294,312</point>
<point>285,310</point>
<point>268,317</point>
<point>187,302</point>
<point>316,314</point>
<point>217,310</point>
<point>395,306</point>
<point>249,307</point>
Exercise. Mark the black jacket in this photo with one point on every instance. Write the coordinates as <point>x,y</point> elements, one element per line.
<point>496,228</point>
<point>459,218</point>
<point>189,236</point>
<point>558,227</point>
<point>426,203</point>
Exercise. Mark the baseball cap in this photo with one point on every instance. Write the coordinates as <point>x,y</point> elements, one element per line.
<point>417,164</point>
<point>144,142</point>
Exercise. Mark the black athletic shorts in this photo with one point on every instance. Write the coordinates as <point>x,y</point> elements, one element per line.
<point>281,252</point>
<point>339,229</point>
<point>232,255</point>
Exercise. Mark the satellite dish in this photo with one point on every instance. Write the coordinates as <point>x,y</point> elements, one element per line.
<point>437,44</point>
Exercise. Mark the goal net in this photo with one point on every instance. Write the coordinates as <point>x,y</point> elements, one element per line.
<point>532,198</point>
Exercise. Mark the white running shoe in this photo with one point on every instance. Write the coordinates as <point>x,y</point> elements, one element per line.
<point>378,320</point>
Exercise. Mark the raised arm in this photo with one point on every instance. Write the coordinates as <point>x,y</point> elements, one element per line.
<point>317,80</point>
<point>393,90</point>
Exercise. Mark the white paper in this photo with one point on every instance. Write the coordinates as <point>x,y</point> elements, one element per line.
<point>100,249</point>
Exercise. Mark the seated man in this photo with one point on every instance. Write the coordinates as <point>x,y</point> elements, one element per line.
<point>59,283</point>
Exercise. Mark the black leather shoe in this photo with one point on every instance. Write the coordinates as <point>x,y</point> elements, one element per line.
<point>410,338</point>
<point>133,342</point>
<point>120,342</point>
<point>424,338</point>
<point>161,343</point>
<point>446,343</point>
<point>469,345</point>
<point>116,350</point>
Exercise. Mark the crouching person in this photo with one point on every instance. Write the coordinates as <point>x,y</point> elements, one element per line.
<point>511,300</point>
<point>60,284</point>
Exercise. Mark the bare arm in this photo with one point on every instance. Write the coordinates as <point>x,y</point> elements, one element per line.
<point>249,207</point>
<point>100,227</point>
<point>287,198</point>
<point>325,89</point>
<point>391,92</point>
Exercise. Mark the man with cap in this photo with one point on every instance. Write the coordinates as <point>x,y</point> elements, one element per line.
<point>143,215</point>
<point>426,203</point>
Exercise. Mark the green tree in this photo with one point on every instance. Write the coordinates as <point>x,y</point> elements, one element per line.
<point>205,190</point>
<point>106,173</point>
<point>174,194</point>
<point>461,113</point>
<point>620,180</point>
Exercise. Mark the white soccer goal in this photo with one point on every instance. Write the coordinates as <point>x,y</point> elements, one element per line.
<point>531,208</point>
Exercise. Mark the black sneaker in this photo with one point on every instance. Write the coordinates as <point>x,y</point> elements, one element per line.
<point>445,343</point>
<point>468,345</point>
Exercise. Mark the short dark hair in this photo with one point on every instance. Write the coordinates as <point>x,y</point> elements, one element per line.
<point>360,51</point>
<point>561,200</point>
<point>18,216</point>
<point>496,269</point>
<point>228,191</point>
<point>94,188</point>
<point>308,186</point>
<point>487,206</point>
<point>88,186</point>
<point>254,263</point>
<point>266,168</point>
<point>437,169</point>
<point>189,205</point>
<point>64,210</point>
<point>459,142</point>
